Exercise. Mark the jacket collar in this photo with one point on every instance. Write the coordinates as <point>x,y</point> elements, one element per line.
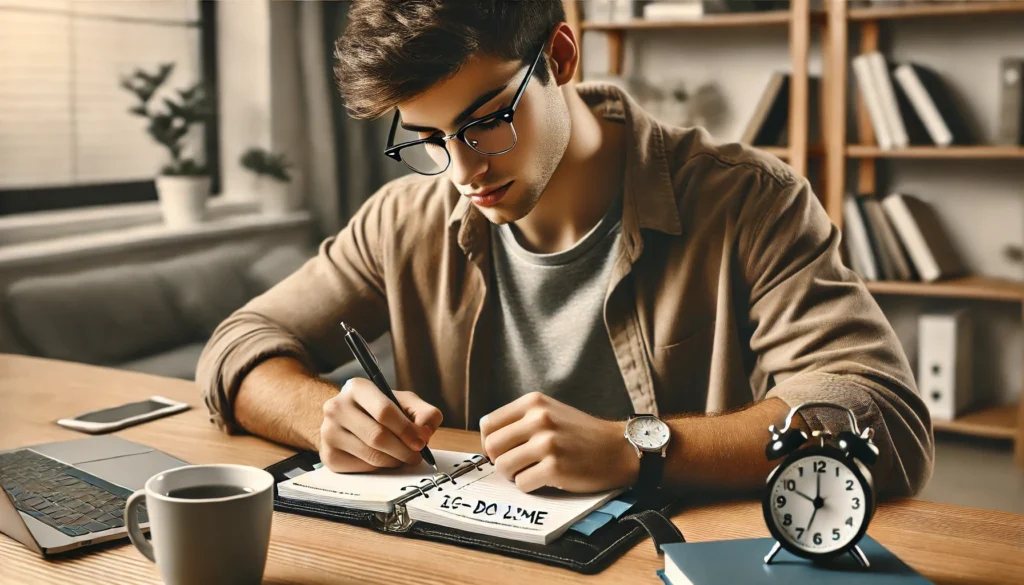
<point>649,201</point>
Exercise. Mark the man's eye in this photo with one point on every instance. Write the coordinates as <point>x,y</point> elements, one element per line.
<point>489,125</point>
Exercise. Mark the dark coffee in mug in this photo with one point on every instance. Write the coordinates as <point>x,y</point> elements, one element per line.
<point>205,492</point>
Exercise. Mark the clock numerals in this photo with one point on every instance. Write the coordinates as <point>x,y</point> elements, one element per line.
<point>817,538</point>
<point>790,485</point>
<point>835,534</point>
<point>819,467</point>
<point>787,519</point>
<point>856,503</point>
<point>780,501</point>
<point>799,533</point>
<point>849,485</point>
<point>849,522</point>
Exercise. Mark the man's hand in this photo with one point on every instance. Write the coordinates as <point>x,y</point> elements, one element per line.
<point>538,441</point>
<point>363,430</point>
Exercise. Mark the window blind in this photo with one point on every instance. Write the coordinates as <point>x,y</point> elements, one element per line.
<point>63,116</point>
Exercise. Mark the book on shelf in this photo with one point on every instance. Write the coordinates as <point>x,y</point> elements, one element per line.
<point>669,11</point>
<point>893,257</point>
<point>934,103</point>
<point>887,99</point>
<point>927,243</point>
<point>872,98</point>
<point>1011,111</point>
<point>769,124</point>
<point>908,104</point>
<point>858,244</point>
<point>771,113</point>
<point>883,261</point>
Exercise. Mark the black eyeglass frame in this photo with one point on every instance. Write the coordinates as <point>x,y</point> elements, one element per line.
<point>505,114</point>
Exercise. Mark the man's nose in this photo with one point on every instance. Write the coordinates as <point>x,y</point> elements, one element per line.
<point>467,164</point>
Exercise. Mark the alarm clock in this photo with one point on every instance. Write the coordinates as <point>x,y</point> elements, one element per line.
<point>819,500</point>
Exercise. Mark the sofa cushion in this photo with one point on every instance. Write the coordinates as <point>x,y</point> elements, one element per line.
<point>208,286</point>
<point>276,265</point>
<point>100,316</point>
<point>179,362</point>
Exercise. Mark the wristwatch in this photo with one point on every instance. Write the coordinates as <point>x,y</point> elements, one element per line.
<point>649,435</point>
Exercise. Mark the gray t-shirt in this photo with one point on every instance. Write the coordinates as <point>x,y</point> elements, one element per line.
<point>550,334</point>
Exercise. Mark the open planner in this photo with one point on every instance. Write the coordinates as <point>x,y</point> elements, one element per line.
<point>468,495</point>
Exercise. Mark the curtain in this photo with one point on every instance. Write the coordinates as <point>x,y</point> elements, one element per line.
<point>340,159</point>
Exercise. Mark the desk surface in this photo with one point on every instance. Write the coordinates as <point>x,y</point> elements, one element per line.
<point>948,544</point>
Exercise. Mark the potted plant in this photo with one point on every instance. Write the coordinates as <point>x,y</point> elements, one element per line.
<point>183,185</point>
<point>272,179</point>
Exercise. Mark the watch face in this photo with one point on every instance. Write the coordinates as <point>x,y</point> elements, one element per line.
<point>647,433</point>
<point>818,504</point>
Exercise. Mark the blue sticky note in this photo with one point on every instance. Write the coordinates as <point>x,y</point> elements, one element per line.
<point>616,507</point>
<point>591,523</point>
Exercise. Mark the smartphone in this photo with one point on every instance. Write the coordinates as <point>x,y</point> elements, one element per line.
<point>125,415</point>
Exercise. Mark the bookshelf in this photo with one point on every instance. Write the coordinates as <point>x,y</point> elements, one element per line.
<point>797,19</point>
<point>925,10</point>
<point>998,422</point>
<point>968,287</point>
<point>932,152</point>
<point>735,19</point>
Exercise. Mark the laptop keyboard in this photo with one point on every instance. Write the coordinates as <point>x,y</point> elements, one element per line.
<point>66,498</point>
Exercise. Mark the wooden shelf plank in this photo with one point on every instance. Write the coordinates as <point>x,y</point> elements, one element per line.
<point>733,19</point>
<point>997,422</point>
<point>929,152</point>
<point>965,8</point>
<point>968,287</point>
<point>779,151</point>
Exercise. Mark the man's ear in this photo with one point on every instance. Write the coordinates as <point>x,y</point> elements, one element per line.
<point>564,56</point>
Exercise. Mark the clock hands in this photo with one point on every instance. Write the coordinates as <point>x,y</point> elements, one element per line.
<point>804,496</point>
<point>818,502</point>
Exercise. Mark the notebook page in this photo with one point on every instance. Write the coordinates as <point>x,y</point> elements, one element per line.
<point>374,491</point>
<point>484,502</point>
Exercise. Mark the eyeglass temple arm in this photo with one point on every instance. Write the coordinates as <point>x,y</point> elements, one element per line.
<point>529,73</point>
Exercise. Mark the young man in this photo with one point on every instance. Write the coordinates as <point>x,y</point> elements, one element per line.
<point>558,262</point>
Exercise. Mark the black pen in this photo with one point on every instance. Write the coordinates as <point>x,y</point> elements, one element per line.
<point>366,359</point>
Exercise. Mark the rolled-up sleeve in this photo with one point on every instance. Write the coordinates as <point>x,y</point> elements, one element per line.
<point>299,317</point>
<point>820,335</point>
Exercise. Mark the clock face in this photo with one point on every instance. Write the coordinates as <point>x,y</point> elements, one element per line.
<point>647,433</point>
<point>818,505</point>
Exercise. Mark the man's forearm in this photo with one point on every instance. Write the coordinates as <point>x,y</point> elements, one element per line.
<point>281,401</point>
<point>724,451</point>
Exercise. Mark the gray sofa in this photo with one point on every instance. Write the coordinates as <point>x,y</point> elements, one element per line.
<point>149,317</point>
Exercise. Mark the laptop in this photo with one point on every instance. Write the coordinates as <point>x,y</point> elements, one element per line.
<point>67,495</point>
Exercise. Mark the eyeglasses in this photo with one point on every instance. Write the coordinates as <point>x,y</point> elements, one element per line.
<point>492,135</point>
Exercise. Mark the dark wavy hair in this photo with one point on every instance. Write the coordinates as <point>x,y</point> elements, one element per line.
<point>395,50</point>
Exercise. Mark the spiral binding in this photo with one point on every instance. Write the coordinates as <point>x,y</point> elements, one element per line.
<point>419,488</point>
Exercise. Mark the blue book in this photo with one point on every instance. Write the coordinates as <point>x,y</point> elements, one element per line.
<point>742,561</point>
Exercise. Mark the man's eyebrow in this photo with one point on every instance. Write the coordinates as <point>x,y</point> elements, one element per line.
<point>464,116</point>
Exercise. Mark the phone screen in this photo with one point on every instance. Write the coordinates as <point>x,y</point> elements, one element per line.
<point>122,412</point>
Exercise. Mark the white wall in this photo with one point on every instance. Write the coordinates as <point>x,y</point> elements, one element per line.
<point>982,202</point>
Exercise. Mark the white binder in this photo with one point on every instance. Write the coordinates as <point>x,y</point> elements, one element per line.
<point>944,363</point>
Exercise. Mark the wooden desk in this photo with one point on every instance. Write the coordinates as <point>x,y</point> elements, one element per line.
<point>948,544</point>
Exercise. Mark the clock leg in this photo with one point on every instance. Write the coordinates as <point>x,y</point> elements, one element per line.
<point>771,555</point>
<point>858,554</point>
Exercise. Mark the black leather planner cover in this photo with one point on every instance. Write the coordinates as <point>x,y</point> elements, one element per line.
<point>584,554</point>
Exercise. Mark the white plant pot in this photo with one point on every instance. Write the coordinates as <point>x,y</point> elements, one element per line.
<point>183,199</point>
<point>275,196</point>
